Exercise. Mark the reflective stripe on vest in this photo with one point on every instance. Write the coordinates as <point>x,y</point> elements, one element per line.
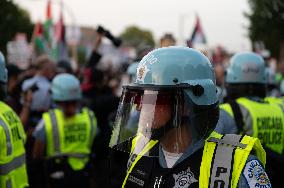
<point>14,164</point>
<point>8,138</point>
<point>55,132</point>
<point>76,155</point>
<point>92,132</point>
<point>225,140</point>
<point>147,148</point>
<point>8,183</point>
<point>223,163</point>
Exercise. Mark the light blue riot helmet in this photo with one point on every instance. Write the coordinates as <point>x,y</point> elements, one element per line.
<point>174,90</point>
<point>3,77</point>
<point>65,87</point>
<point>131,71</point>
<point>246,67</point>
<point>180,67</point>
<point>246,76</point>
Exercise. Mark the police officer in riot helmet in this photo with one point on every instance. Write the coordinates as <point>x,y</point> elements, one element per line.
<point>13,171</point>
<point>175,145</point>
<point>242,83</point>
<point>248,112</point>
<point>65,135</point>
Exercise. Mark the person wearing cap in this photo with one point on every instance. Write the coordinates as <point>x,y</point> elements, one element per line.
<point>65,135</point>
<point>247,112</point>
<point>175,145</point>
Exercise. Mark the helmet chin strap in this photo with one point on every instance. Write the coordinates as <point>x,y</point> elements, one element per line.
<point>3,92</point>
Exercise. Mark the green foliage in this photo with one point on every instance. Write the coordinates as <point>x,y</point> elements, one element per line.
<point>137,38</point>
<point>13,19</point>
<point>267,23</point>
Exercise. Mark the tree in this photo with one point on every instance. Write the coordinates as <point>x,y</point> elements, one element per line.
<point>266,25</point>
<point>137,38</point>
<point>13,19</point>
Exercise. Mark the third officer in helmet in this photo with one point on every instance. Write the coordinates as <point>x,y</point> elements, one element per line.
<point>174,145</point>
<point>248,113</point>
<point>65,135</point>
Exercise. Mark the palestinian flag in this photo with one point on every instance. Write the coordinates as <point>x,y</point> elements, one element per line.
<point>59,31</point>
<point>48,33</point>
<point>198,36</point>
<point>37,38</point>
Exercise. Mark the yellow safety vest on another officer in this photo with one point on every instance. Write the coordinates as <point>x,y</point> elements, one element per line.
<point>275,100</point>
<point>267,122</point>
<point>216,166</point>
<point>72,137</point>
<point>12,152</point>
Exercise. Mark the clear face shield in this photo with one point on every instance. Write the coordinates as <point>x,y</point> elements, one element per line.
<point>146,116</point>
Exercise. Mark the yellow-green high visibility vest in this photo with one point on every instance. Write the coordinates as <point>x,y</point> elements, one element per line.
<point>228,153</point>
<point>275,100</point>
<point>71,137</point>
<point>267,122</point>
<point>13,171</point>
<point>225,157</point>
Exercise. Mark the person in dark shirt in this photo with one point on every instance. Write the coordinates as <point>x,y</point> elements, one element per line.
<point>100,98</point>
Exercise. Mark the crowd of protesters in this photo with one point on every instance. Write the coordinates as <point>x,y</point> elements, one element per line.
<point>29,95</point>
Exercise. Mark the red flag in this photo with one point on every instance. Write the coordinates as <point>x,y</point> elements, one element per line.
<point>37,38</point>
<point>59,29</point>
<point>61,51</point>
<point>38,30</point>
<point>48,10</point>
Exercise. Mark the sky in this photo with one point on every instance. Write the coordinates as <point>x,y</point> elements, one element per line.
<point>223,21</point>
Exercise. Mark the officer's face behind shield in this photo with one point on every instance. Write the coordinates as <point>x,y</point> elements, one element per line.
<point>163,115</point>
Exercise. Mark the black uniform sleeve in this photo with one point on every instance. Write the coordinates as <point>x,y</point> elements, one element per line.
<point>118,163</point>
<point>94,59</point>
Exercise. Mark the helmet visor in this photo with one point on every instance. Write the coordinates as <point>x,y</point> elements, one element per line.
<point>150,115</point>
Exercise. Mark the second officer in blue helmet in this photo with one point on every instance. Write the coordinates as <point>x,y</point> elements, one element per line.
<point>248,112</point>
<point>174,145</point>
<point>65,135</point>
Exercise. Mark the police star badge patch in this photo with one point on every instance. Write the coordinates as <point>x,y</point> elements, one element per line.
<point>141,73</point>
<point>184,179</point>
<point>255,175</point>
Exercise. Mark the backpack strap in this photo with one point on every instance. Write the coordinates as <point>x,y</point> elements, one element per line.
<point>238,116</point>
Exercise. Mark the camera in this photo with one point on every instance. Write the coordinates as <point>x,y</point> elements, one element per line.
<point>115,40</point>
